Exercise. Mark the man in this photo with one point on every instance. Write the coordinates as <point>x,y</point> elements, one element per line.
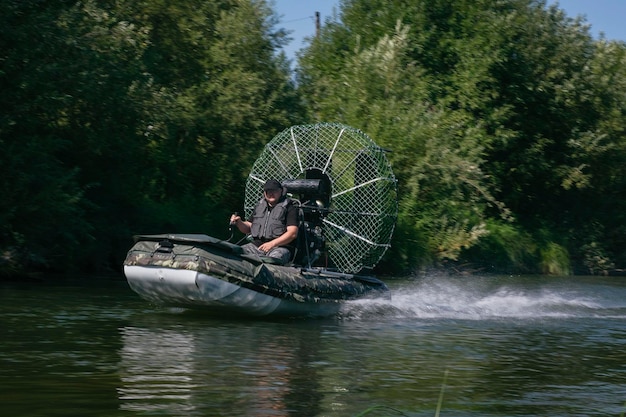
<point>273,224</point>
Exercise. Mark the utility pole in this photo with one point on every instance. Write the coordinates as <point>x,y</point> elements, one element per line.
<point>317,24</point>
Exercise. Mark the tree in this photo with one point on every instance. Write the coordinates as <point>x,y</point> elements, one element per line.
<point>499,117</point>
<point>126,117</point>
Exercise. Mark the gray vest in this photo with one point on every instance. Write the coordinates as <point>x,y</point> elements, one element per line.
<point>269,224</point>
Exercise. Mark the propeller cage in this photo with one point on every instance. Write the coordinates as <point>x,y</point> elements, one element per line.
<point>345,185</point>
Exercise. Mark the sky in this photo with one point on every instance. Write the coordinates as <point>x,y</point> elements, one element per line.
<point>298,16</point>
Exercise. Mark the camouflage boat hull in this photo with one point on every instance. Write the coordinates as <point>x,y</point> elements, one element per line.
<point>199,271</point>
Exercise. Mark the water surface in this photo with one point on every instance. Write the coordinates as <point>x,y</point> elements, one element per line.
<point>491,346</point>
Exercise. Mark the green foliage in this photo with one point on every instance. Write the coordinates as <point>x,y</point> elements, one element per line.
<point>555,260</point>
<point>503,118</point>
<point>436,153</point>
<point>505,248</point>
<point>596,259</point>
<point>130,117</point>
<point>504,121</point>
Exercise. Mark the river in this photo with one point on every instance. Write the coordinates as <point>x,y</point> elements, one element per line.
<point>447,346</point>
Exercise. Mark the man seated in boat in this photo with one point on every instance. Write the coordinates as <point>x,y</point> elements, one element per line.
<point>273,224</point>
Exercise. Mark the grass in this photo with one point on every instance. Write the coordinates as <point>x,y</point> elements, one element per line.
<point>439,403</point>
<point>402,413</point>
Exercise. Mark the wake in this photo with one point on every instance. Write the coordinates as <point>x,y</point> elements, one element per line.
<point>493,298</point>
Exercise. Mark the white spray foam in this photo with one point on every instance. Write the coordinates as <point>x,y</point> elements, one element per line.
<point>477,300</point>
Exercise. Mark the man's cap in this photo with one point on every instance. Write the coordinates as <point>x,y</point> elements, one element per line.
<point>272,185</point>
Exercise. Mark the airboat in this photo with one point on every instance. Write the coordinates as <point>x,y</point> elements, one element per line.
<point>347,198</point>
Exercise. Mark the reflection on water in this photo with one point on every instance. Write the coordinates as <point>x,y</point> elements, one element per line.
<point>156,370</point>
<point>236,368</point>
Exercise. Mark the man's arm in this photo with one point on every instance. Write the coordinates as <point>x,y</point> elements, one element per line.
<point>242,225</point>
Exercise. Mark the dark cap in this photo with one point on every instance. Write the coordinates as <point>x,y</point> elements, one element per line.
<point>272,185</point>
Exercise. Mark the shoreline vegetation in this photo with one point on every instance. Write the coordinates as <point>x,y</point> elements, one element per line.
<point>504,121</point>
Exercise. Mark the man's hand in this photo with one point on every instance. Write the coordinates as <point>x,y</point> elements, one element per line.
<point>267,246</point>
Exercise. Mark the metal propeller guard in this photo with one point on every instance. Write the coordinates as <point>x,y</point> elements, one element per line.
<point>344,183</point>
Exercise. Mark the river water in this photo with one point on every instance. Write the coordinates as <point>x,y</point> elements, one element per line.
<point>447,346</point>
